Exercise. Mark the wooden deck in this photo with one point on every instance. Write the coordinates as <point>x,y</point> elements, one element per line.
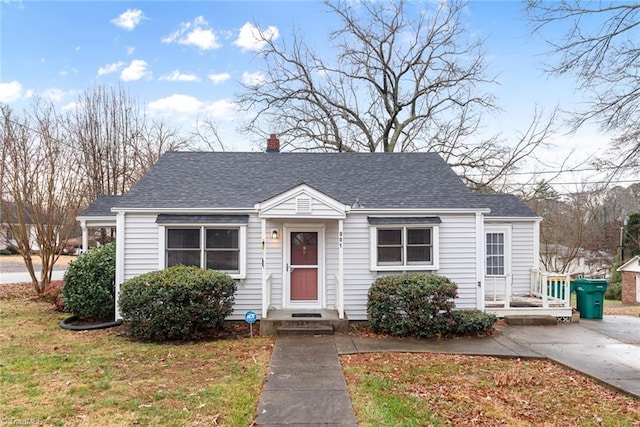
<point>529,305</point>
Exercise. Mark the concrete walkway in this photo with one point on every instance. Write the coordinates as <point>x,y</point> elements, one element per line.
<point>306,387</point>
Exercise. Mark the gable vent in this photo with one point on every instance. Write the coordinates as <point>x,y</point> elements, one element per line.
<point>303,205</point>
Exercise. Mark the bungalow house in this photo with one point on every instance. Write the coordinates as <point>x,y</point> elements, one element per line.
<point>631,280</point>
<point>311,231</point>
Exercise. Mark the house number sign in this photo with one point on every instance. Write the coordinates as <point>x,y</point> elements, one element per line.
<point>340,239</point>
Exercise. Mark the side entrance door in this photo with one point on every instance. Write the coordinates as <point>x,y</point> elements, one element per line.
<point>303,266</point>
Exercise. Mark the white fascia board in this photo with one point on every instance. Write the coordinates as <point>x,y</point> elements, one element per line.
<point>512,219</point>
<point>186,211</point>
<point>405,212</point>
<point>104,218</point>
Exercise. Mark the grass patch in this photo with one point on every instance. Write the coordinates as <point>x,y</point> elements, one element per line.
<point>433,389</point>
<point>60,377</point>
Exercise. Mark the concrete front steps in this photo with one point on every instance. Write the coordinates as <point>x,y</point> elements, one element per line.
<point>523,320</point>
<point>303,322</point>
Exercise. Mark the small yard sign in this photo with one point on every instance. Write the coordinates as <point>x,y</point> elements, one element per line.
<point>250,317</point>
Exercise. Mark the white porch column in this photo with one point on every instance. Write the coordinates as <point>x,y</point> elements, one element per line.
<point>265,290</point>
<point>340,293</point>
<point>480,261</point>
<point>120,257</point>
<point>85,235</point>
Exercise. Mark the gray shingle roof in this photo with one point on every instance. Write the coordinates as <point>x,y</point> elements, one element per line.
<point>240,180</point>
<point>506,205</point>
<point>101,206</point>
<point>187,180</point>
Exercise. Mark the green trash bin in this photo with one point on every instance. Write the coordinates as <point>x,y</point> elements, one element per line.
<point>590,297</point>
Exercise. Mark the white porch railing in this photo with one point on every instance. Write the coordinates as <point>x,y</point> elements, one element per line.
<point>498,290</point>
<point>551,288</point>
<point>266,296</point>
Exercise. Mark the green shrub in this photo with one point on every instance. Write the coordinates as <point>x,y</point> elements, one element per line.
<point>472,322</point>
<point>412,304</point>
<point>5,252</point>
<point>614,291</point>
<point>89,284</point>
<point>178,303</point>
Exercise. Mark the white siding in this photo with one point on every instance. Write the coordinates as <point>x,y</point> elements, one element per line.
<point>331,263</point>
<point>357,273</point>
<point>457,261</point>
<point>458,256</point>
<point>141,252</point>
<point>522,256</point>
<point>288,208</point>
<point>274,263</point>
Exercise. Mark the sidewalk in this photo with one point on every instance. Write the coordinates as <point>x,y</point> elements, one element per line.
<point>305,385</point>
<point>6,278</point>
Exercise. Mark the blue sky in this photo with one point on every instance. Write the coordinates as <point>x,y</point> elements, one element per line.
<point>184,60</point>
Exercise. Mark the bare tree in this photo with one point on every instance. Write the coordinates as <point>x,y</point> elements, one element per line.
<point>156,139</point>
<point>406,76</point>
<point>600,48</point>
<point>41,192</point>
<point>205,131</point>
<point>114,141</point>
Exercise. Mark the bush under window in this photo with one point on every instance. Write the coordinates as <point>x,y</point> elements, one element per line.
<point>421,305</point>
<point>178,303</point>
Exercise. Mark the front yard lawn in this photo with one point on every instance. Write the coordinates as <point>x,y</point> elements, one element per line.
<point>100,378</point>
<point>433,389</point>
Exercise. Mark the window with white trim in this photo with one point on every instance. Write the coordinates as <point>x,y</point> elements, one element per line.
<point>404,248</point>
<point>495,251</point>
<point>216,248</point>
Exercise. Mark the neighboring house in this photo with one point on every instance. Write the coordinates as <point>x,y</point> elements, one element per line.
<point>8,217</point>
<point>310,231</point>
<point>577,262</point>
<point>631,280</point>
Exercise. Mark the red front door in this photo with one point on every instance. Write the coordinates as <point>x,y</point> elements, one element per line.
<point>304,266</point>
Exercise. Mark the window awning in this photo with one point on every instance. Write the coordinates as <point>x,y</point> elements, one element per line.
<point>202,219</point>
<point>411,220</point>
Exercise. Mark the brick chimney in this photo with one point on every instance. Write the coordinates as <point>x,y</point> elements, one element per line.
<point>273,144</point>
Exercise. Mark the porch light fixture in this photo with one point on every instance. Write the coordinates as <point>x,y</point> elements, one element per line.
<point>274,234</point>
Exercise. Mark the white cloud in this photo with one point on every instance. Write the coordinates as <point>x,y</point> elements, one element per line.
<point>177,76</point>
<point>53,94</point>
<point>135,71</point>
<point>222,109</point>
<point>253,79</point>
<point>11,91</point>
<point>188,107</point>
<point>110,68</point>
<point>219,78</point>
<point>252,38</point>
<point>129,19</point>
<point>195,33</point>
<point>177,103</point>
